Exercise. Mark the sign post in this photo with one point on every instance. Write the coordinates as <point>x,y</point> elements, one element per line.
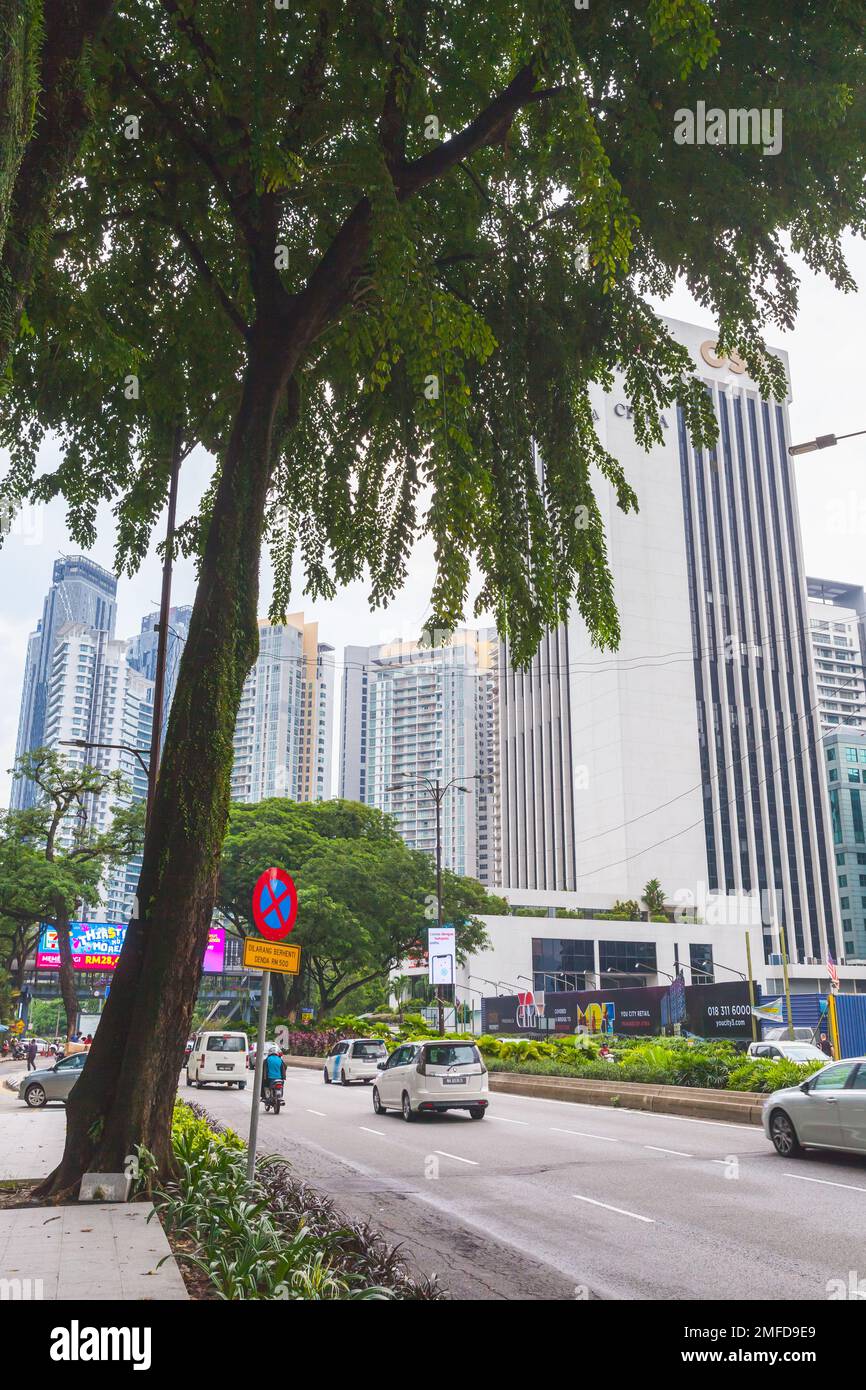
<point>275,908</point>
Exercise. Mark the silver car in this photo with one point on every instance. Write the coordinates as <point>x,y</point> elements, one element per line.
<point>51,1083</point>
<point>826,1111</point>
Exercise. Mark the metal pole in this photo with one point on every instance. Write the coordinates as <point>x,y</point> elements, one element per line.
<point>257,1083</point>
<point>162,635</point>
<point>439,998</point>
<point>787,982</point>
<point>751,988</point>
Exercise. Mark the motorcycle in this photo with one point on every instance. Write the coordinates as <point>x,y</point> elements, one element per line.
<point>273,1094</point>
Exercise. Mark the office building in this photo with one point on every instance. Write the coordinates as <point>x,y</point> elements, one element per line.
<point>694,751</point>
<point>284,728</point>
<point>142,653</point>
<point>845,751</point>
<point>413,712</point>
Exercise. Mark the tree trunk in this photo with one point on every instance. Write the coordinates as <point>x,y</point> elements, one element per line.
<point>68,988</point>
<point>126,1093</point>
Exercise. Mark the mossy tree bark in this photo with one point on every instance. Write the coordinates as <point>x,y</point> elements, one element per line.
<point>126,1093</point>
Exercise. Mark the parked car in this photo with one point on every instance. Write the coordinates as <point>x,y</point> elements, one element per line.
<point>826,1111</point>
<point>354,1059</point>
<point>787,1051</point>
<point>51,1083</point>
<point>218,1058</point>
<point>422,1078</point>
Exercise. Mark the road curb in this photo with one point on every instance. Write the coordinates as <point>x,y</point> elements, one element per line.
<point>742,1107</point>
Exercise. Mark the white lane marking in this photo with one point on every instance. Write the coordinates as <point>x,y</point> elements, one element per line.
<point>503,1119</point>
<point>584,1134</point>
<point>380,1132</point>
<point>457,1157</point>
<point>650,1114</point>
<point>619,1210</point>
<point>317,1112</point>
<point>825,1182</point>
<point>677,1153</point>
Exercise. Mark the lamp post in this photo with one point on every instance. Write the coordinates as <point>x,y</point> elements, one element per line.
<point>122,747</point>
<point>823,441</point>
<point>438,791</point>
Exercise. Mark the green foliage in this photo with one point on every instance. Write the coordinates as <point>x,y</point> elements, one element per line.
<point>271,1238</point>
<point>513,266</point>
<point>654,898</point>
<point>363,896</point>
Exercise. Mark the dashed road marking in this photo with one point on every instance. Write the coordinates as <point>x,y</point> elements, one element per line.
<point>619,1210</point>
<point>584,1134</point>
<point>442,1153</point>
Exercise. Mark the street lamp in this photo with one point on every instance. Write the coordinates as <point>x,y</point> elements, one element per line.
<point>122,747</point>
<point>823,441</point>
<point>645,965</point>
<point>438,791</point>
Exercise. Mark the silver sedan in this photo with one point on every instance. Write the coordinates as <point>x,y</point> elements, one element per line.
<point>827,1111</point>
<point>51,1083</point>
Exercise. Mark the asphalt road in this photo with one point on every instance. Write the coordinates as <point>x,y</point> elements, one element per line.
<point>549,1199</point>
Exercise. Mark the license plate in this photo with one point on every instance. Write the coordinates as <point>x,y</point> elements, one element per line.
<point>224,1066</point>
<point>454,1080</point>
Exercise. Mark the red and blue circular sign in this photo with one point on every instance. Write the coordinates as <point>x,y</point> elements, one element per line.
<point>275,904</point>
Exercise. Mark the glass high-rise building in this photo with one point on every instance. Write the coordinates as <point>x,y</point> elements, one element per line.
<point>412,712</point>
<point>81,592</point>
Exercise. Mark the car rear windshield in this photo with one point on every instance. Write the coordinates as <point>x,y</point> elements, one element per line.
<point>369,1049</point>
<point>226,1045</point>
<point>450,1054</point>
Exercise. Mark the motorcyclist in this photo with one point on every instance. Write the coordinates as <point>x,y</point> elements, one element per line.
<point>274,1068</point>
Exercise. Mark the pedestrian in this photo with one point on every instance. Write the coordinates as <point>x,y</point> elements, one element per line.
<point>31,1055</point>
<point>824,1045</point>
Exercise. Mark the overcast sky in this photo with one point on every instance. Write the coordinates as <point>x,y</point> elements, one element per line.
<point>827,373</point>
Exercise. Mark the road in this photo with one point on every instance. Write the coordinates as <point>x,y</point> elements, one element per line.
<point>550,1199</point>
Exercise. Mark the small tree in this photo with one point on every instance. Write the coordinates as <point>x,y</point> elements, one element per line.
<point>654,900</point>
<point>51,861</point>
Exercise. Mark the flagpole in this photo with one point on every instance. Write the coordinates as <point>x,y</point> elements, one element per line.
<point>751,988</point>
<point>787,982</point>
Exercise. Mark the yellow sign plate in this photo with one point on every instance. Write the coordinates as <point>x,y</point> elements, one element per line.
<point>272,955</point>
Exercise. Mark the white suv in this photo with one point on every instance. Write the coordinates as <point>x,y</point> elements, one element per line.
<point>218,1058</point>
<point>354,1059</point>
<point>420,1078</point>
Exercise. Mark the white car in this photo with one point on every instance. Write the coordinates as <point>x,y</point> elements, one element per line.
<point>220,1058</point>
<point>354,1059</point>
<point>783,1050</point>
<point>424,1077</point>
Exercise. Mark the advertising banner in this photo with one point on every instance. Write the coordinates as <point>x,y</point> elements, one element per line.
<point>710,1011</point>
<point>97,946</point>
<point>441,950</point>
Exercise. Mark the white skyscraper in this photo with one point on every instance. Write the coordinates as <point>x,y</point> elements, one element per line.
<point>412,712</point>
<point>94,694</point>
<point>285,722</point>
<point>694,751</point>
<point>837,621</point>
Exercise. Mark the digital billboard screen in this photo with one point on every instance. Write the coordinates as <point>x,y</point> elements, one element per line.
<point>97,946</point>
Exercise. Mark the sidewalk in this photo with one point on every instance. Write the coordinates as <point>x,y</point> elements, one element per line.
<point>82,1251</point>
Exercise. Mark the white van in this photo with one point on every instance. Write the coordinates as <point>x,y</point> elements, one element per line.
<point>218,1057</point>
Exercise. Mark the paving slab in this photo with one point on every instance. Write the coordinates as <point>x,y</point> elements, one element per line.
<point>31,1141</point>
<point>96,1252</point>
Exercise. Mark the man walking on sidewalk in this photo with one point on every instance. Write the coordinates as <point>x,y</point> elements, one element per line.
<point>31,1055</point>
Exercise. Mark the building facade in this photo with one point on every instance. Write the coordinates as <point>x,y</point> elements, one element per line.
<point>414,715</point>
<point>837,624</point>
<point>81,592</point>
<point>97,696</point>
<point>284,730</point>
<point>694,751</point>
<point>142,651</point>
<point>845,751</point>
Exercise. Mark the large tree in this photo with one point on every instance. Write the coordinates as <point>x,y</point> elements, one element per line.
<point>52,859</point>
<point>364,898</point>
<point>371,255</point>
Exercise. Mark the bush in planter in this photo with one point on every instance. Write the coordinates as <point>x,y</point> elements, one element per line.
<point>763,1076</point>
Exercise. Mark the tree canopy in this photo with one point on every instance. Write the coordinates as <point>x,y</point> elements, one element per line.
<point>364,899</point>
<point>463,211</point>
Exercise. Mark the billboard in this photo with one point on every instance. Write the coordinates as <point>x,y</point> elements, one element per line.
<point>97,946</point>
<point>710,1011</point>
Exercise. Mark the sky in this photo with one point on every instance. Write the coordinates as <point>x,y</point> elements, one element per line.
<point>827,376</point>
